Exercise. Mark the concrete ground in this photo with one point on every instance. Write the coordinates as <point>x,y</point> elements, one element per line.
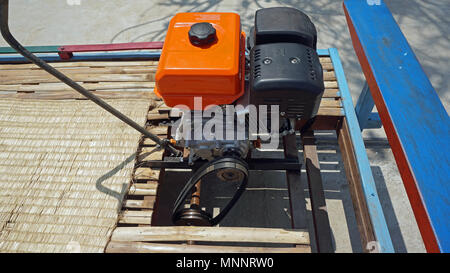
<point>425,24</point>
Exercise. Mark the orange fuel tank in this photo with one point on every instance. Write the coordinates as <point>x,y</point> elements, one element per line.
<point>203,56</point>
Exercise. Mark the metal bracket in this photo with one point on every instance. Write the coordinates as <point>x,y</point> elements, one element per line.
<point>363,109</point>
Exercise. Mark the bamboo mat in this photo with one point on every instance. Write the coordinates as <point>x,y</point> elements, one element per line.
<point>65,167</point>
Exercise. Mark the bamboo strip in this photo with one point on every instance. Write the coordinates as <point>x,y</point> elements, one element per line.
<point>211,234</point>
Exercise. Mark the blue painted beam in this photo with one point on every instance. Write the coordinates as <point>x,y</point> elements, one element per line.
<point>364,107</point>
<point>415,121</point>
<point>374,121</point>
<point>367,182</point>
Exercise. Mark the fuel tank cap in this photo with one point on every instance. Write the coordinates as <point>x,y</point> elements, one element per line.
<point>201,34</point>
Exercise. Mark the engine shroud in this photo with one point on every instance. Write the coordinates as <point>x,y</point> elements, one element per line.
<point>203,56</point>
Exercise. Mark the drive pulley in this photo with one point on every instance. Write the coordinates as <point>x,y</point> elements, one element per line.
<point>229,169</point>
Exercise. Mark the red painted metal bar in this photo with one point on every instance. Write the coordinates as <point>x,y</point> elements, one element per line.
<point>66,52</point>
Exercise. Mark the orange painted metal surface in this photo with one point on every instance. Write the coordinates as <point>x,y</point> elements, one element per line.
<point>214,72</point>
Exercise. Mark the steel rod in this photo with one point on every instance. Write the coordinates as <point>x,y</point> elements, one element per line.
<point>9,38</point>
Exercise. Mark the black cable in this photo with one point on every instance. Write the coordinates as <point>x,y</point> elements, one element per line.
<point>9,38</point>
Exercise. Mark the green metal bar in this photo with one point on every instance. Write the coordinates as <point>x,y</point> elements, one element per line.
<point>32,49</point>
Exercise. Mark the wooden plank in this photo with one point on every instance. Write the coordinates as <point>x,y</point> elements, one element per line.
<point>323,234</point>
<point>82,64</point>
<point>79,70</point>
<point>211,234</point>
<point>147,173</point>
<point>324,59</point>
<point>136,213</point>
<point>330,103</point>
<point>329,76</point>
<point>150,153</point>
<point>356,192</point>
<point>327,66</point>
<point>148,142</point>
<point>158,130</point>
<point>65,95</point>
<point>134,191</point>
<point>134,220</point>
<point>139,204</point>
<point>139,247</point>
<point>92,77</point>
<point>138,189</point>
<point>415,120</point>
<point>296,193</point>
<point>157,116</point>
<point>64,87</point>
<point>331,84</point>
<point>325,111</point>
<point>331,93</point>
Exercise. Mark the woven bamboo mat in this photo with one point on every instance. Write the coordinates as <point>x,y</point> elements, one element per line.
<point>65,167</point>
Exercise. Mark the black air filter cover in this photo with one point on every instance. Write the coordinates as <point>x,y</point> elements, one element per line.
<point>288,75</point>
<point>282,24</point>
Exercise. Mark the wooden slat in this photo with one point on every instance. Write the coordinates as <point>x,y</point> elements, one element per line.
<point>321,221</point>
<point>136,213</point>
<point>327,66</point>
<point>158,130</point>
<point>157,116</point>
<point>140,204</point>
<point>295,189</point>
<point>354,180</point>
<point>331,93</point>
<point>329,76</point>
<point>64,87</point>
<point>326,102</point>
<point>150,153</point>
<point>211,234</point>
<point>139,247</point>
<point>71,94</point>
<point>92,77</point>
<point>135,220</point>
<point>325,111</point>
<point>325,59</point>
<point>83,64</point>
<point>331,84</point>
<point>142,188</point>
<point>79,70</point>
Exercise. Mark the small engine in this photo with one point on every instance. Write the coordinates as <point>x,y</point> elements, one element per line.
<point>206,56</point>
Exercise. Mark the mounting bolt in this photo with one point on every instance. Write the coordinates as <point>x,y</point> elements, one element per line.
<point>294,60</point>
<point>267,61</point>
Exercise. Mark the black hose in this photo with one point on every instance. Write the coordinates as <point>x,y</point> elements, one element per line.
<point>9,38</point>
